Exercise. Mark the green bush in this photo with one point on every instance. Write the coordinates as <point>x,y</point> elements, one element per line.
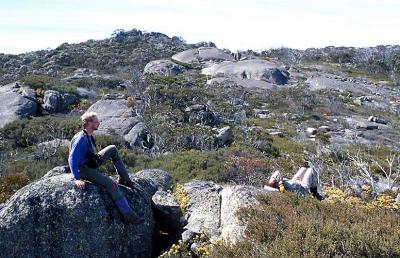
<point>29,131</point>
<point>42,83</point>
<point>193,164</point>
<point>37,81</point>
<point>284,225</point>
<point>10,183</point>
<point>188,165</point>
<point>34,167</point>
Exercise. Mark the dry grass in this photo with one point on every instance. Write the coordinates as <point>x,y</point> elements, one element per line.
<point>9,184</point>
<point>288,226</point>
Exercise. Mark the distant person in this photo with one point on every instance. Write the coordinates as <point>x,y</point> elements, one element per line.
<point>303,182</point>
<point>84,163</point>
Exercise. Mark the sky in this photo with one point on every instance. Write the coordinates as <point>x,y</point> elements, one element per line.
<point>28,25</point>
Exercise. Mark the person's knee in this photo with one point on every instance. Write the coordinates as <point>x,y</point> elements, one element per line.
<point>113,149</point>
<point>112,186</point>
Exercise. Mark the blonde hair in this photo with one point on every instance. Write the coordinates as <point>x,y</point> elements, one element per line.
<point>86,117</point>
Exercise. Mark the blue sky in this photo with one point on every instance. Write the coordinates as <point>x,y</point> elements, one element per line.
<point>27,25</point>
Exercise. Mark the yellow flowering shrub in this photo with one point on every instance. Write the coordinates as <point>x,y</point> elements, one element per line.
<point>335,195</point>
<point>182,196</point>
<point>177,250</point>
<point>202,249</point>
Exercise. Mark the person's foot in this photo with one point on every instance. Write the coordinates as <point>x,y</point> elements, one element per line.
<point>132,218</point>
<point>127,182</point>
<point>315,193</point>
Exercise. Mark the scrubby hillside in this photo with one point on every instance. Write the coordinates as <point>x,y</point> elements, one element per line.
<point>200,112</point>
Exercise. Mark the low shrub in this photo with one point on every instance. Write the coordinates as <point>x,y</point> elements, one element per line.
<point>193,164</point>
<point>26,132</point>
<point>285,225</point>
<point>182,196</point>
<point>10,183</point>
<point>248,170</point>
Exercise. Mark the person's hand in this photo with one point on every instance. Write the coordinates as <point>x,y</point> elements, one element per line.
<point>80,184</point>
<point>281,188</point>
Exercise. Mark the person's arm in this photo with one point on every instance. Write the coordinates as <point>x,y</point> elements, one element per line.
<point>77,149</point>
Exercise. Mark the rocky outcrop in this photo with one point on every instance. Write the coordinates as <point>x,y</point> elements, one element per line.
<point>200,114</point>
<point>327,81</point>
<point>261,113</point>
<point>168,212</point>
<point>163,67</point>
<point>114,114</point>
<point>54,143</point>
<point>224,137</point>
<point>52,217</point>
<point>212,208</point>
<point>255,69</point>
<point>55,101</point>
<point>82,73</point>
<point>357,122</point>
<point>160,179</point>
<point>233,198</point>
<point>139,136</point>
<point>203,210</point>
<point>194,57</point>
<point>85,93</point>
<point>245,83</point>
<point>16,102</point>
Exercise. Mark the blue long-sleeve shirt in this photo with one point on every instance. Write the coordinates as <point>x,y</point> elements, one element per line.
<point>78,149</point>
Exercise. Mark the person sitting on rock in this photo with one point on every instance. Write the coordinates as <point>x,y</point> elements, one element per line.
<point>84,163</point>
<point>303,182</point>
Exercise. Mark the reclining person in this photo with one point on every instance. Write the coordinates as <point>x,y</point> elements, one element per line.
<point>303,182</point>
<point>84,164</point>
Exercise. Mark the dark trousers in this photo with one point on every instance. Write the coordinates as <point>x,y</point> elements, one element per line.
<point>94,175</point>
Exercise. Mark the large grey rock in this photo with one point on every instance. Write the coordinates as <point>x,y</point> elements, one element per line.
<point>213,208</point>
<point>200,114</point>
<point>51,100</point>
<point>224,136</point>
<point>16,102</point>
<point>254,69</point>
<point>51,217</point>
<point>245,83</point>
<point>163,67</point>
<point>358,122</point>
<point>139,136</point>
<point>327,81</point>
<point>81,73</point>
<point>168,211</point>
<point>161,179</point>
<point>66,100</point>
<point>54,101</point>
<point>59,170</point>
<point>202,54</point>
<point>115,115</point>
<point>86,93</point>
<point>203,210</point>
<point>233,198</point>
<point>54,144</point>
<point>261,113</point>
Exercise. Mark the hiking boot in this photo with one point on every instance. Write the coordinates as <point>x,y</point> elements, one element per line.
<point>314,192</point>
<point>132,218</point>
<point>127,182</point>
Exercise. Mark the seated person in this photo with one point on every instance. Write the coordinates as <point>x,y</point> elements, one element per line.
<point>303,182</point>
